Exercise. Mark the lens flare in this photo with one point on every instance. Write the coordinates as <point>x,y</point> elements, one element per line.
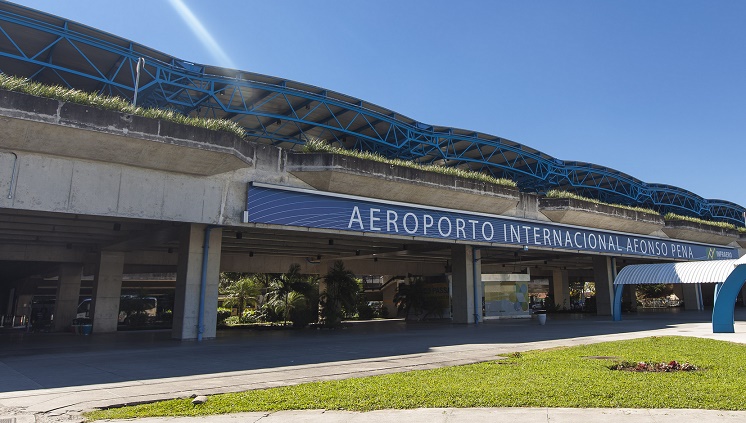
<point>202,34</point>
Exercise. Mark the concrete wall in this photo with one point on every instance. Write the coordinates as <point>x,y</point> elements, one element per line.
<point>59,184</point>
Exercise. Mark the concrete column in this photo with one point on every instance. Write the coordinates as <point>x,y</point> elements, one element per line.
<point>188,282</point>
<point>692,296</point>
<point>11,298</point>
<point>107,289</point>
<point>560,288</point>
<point>603,275</point>
<point>462,284</point>
<point>68,294</point>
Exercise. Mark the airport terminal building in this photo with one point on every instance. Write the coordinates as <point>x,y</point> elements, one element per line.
<point>96,203</point>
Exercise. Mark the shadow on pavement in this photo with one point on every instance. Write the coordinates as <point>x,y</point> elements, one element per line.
<point>37,361</point>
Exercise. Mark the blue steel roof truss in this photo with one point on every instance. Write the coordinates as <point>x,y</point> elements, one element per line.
<point>289,114</point>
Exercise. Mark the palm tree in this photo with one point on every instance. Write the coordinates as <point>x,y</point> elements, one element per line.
<point>414,297</point>
<point>340,294</point>
<point>286,292</point>
<point>243,292</point>
<point>288,305</point>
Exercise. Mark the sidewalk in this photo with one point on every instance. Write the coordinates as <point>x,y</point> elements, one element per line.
<point>61,375</point>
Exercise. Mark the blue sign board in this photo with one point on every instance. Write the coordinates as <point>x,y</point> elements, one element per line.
<point>316,209</point>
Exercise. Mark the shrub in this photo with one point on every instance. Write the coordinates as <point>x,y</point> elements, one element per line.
<point>223,315</point>
<point>137,320</point>
<point>231,321</point>
<point>166,316</point>
<point>365,311</point>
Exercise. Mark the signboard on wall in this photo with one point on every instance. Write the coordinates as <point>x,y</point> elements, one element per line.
<point>317,209</point>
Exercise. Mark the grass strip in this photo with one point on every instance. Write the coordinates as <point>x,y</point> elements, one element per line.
<point>555,193</point>
<point>724,225</point>
<point>320,146</point>
<point>563,377</point>
<point>55,92</point>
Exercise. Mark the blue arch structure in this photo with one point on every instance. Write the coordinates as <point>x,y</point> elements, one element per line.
<point>726,293</point>
<point>54,50</point>
<point>725,301</point>
<point>616,310</point>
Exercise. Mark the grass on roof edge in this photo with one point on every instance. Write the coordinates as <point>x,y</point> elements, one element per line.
<point>70,95</point>
<point>320,146</point>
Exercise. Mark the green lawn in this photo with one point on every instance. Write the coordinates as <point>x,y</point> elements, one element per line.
<point>563,377</point>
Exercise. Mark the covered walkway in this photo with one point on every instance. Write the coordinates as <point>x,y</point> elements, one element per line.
<point>728,275</point>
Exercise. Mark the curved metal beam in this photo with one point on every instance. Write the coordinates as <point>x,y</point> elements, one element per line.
<point>290,112</point>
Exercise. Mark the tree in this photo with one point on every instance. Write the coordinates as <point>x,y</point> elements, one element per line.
<point>339,296</point>
<point>227,278</point>
<point>243,292</point>
<point>286,293</point>
<point>654,290</point>
<point>414,297</point>
<point>290,306</point>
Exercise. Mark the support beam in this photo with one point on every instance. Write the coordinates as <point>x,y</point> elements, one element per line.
<point>604,273</point>
<point>722,311</point>
<point>692,296</point>
<point>188,282</point>
<point>107,289</point>
<point>465,264</point>
<point>68,294</point>
<point>560,289</point>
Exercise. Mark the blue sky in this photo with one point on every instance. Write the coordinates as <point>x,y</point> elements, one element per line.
<point>656,89</point>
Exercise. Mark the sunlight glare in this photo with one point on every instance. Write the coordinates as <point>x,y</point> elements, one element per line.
<point>202,34</point>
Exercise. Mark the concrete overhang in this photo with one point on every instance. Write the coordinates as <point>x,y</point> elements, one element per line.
<point>742,240</point>
<point>698,232</point>
<point>368,178</point>
<point>46,126</point>
<point>576,212</point>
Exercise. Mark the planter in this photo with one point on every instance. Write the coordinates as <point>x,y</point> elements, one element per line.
<point>368,178</point>
<point>576,212</point>
<point>541,315</point>
<point>699,232</point>
<point>82,329</point>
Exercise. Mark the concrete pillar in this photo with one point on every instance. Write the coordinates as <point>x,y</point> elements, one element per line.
<point>692,296</point>
<point>11,297</point>
<point>603,275</point>
<point>68,294</point>
<point>107,289</point>
<point>560,289</point>
<point>188,282</point>
<point>462,284</point>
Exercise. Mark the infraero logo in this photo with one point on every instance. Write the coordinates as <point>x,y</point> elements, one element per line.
<point>711,254</point>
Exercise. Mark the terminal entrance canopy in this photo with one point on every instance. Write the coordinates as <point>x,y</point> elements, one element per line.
<point>728,275</point>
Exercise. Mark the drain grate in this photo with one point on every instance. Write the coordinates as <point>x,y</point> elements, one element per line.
<point>8,420</point>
